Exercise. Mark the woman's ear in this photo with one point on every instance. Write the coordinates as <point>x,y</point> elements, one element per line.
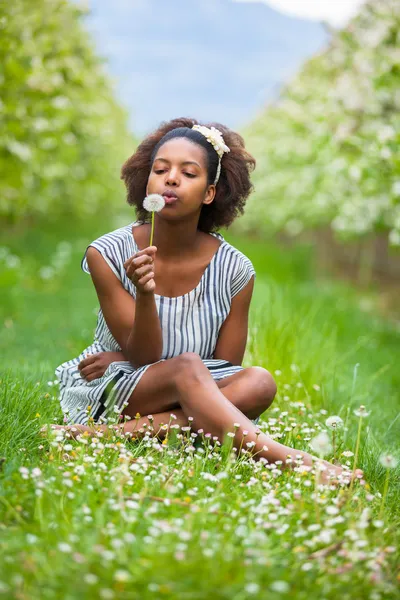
<point>210,194</point>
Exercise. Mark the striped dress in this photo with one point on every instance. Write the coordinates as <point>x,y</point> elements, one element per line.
<point>190,323</point>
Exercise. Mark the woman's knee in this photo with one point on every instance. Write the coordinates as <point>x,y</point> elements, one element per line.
<point>263,386</point>
<point>189,365</point>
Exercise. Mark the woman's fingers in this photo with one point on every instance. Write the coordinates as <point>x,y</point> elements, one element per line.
<point>149,252</point>
<point>138,272</point>
<point>146,255</point>
<point>144,270</point>
<point>89,372</point>
<point>87,361</point>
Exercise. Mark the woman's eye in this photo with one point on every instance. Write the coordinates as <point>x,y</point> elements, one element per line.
<point>159,171</point>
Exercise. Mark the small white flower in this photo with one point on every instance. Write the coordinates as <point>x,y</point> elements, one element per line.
<point>348,453</point>
<point>334,422</point>
<point>153,203</point>
<point>63,547</point>
<point>396,188</point>
<point>46,272</point>
<point>252,588</point>
<point>121,575</point>
<point>279,586</point>
<point>388,461</point>
<point>106,594</point>
<point>378,523</point>
<point>361,412</point>
<point>321,444</point>
<point>90,578</point>
<point>31,539</point>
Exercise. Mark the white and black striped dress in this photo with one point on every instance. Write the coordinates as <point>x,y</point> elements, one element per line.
<point>190,323</point>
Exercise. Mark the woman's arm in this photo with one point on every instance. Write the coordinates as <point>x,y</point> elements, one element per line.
<point>134,323</point>
<point>232,339</point>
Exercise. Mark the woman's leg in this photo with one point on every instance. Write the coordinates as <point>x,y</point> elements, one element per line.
<point>252,391</point>
<point>212,412</point>
<point>201,399</point>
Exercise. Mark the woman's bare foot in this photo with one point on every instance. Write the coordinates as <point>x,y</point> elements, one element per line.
<point>334,474</point>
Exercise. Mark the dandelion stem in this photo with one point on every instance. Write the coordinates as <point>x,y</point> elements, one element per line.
<point>385,490</point>
<point>152,228</point>
<point>356,453</point>
<point>334,444</point>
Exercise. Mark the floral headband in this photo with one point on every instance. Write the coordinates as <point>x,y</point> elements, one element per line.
<point>214,136</point>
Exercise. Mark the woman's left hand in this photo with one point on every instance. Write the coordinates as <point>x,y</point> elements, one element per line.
<point>95,365</point>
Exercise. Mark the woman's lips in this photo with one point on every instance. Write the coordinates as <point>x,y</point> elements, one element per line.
<point>170,199</point>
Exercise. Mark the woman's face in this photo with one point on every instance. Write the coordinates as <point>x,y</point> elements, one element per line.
<point>180,169</point>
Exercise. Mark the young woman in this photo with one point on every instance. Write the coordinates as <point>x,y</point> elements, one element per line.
<point>173,319</point>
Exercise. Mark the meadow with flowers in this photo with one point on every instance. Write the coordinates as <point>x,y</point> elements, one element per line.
<point>110,517</point>
<point>190,517</point>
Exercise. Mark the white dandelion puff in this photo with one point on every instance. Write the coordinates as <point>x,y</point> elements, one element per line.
<point>334,422</point>
<point>153,203</point>
<point>321,444</point>
<point>361,412</point>
<point>388,461</point>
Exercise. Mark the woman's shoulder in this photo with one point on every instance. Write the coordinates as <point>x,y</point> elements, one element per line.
<point>233,253</point>
<point>114,246</point>
<point>237,267</point>
<point>115,236</point>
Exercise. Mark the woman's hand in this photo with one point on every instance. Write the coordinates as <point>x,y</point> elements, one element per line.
<point>95,365</point>
<point>140,269</point>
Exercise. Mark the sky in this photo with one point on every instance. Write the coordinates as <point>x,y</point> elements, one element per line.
<point>336,12</point>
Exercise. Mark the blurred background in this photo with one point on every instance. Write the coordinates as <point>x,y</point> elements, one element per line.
<point>312,87</point>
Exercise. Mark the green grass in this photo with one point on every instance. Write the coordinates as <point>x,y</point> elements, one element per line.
<point>87,522</point>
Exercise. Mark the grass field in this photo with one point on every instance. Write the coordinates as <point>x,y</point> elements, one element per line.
<point>116,519</point>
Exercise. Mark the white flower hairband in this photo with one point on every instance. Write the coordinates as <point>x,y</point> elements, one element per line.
<point>214,136</point>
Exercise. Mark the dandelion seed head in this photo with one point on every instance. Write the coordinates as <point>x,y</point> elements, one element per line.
<point>334,422</point>
<point>153,203</point>
<point>321,444</point>
<point>388,461</point>
<point>361,412</point>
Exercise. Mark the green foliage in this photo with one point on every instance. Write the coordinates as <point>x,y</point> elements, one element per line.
<point>63,137</point>
<point>327,151</point>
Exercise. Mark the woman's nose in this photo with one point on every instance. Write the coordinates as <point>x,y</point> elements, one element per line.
<point>172,177</point>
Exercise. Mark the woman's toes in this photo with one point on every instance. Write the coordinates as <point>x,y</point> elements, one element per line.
<point>45,430</point>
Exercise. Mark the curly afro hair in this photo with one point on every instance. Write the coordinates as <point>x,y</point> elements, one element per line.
<point>233,187</point>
